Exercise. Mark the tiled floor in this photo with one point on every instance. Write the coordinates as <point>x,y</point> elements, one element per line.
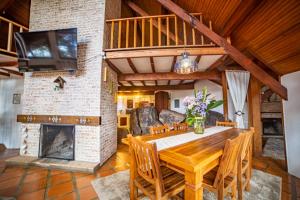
<point>40,183</point>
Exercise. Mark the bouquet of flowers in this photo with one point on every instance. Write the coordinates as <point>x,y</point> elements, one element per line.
<point>198,106</point>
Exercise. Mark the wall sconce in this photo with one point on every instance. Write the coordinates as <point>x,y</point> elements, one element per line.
<point>59,81</point>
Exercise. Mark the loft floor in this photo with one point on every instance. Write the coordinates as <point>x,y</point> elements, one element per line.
<point>40,183</point>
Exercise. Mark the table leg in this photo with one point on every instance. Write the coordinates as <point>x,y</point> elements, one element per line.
<point>193,185</point>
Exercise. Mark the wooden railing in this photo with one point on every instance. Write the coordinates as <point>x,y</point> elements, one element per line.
<point>169,32</point>
<point>10,27</point>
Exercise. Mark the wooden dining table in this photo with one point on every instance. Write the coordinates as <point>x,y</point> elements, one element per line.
<point>194,158</point>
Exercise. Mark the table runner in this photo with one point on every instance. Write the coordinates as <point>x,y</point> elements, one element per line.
<point>171,141</point>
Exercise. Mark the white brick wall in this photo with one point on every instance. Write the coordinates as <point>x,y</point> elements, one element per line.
<point>84,93</point>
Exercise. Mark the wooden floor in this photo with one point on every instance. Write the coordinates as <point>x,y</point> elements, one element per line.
<point>40,183</point>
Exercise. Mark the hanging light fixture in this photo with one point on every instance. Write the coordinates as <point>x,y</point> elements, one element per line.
<point>185,65</point>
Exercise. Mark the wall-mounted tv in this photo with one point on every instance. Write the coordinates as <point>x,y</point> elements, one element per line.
<point>47,50</point>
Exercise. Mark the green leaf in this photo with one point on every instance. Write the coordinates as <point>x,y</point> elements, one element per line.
<point>214,104</point>
<point>190,120</point>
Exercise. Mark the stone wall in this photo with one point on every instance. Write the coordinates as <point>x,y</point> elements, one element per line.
<point>82,94</point>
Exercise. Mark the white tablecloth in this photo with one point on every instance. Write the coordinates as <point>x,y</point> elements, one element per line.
<point>167,142</point>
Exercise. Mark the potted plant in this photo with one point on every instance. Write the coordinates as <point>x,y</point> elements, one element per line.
<point>197,108</point>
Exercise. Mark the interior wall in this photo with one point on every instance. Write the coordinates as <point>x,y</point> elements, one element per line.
<point>180,95</point>
<point>10,134</point>
<point>291,112</point>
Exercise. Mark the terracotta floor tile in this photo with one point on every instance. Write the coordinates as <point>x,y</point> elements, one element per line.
<point>13,182</point>
<point>34,185</point>
<point>32,170</point>
<point>121,168</point>
<point>11,174</point>
<point>60,178</point>
<point>87,193</point>
<point>56,172</point>
<point>8,191</point>
<point>60,189</point>
<point>70,196</point>
<point>80,174</point>
<point>106,173</point>
<point>85,181</point>
<point>37,195</point>
<point>35,176</point>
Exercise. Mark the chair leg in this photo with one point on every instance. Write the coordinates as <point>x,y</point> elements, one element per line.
<point>240,181</point>
<point>221,190</point>
<point>233,191</point>
<point>248,177</point>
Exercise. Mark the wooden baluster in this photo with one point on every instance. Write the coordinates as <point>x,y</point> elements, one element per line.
<point>143,32</point>
<point>21,29</point>
<point>127,33</point>
<point>194,35</point>
<point>184,33</point>
<point>9,36</point>
<point>120,32</point>
<point>151,32</point>
<point>210,27</point>
<point>176,31</point>
<point>202,37</point>
<point>134,33</point>
<point>159,31</point>
<point>112,30</point>
<point>168,32</point>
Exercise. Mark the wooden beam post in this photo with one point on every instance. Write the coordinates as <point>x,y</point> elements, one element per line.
<point>225,95</point>
<point>234,53</point>
<point>254,104</point>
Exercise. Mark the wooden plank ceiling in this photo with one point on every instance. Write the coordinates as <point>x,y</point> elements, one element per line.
<point>269,30</point>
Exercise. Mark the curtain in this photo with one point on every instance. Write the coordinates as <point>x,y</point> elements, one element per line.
<point>238,82</point>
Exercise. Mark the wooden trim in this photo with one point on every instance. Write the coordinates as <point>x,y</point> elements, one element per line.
<point>157,87</point>
<point>60,119</point>
<point>153,67</point>
<point>159,52</point>
<point>4,74</point>
<point>169,76</point>
<point>234,53</point>
<point>133,68</point>
<point>9,64</point>
<point>12,71</point>
<point>112,66</point>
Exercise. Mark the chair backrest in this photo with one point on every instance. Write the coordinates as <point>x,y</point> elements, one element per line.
<point>180,127</point>
<point>228,163</point>
<point>229,124</point>
<point>159,129</point>
<point>147,161</point>
<point>246,143</point>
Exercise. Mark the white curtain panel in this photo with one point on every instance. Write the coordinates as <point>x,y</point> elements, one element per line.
<point>238,82</point>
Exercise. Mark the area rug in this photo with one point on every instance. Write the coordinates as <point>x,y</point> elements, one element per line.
<point>274,148</point>
<point>264,186</point>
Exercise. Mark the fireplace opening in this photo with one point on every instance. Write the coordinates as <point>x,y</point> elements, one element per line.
<point>57,141</point>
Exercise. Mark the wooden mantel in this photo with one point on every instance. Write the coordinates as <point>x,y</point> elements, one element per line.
<point>60,119</point>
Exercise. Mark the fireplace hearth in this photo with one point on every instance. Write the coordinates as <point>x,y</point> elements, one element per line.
<point>57,141</point>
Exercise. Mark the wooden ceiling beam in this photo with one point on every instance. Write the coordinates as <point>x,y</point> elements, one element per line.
<point>12,71</point>
<point>189,86</point>
<point>238,16</point>
<point>4,74</point>
<point>153,67</point>
<point>133,93</point>
<point>234,53</point>
<point>9,64</point>
<point>143,13</point>
<point>5,4</point>
<point>133,68</point>
<point>112,66</point>
<point>160,52</point>
<point>218,63</point>
<point>172,67</point>
<point>169,76</point>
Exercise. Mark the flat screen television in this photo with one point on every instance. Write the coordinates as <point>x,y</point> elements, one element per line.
<point>47,50</point>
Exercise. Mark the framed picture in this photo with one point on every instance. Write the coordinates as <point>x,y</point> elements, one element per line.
<point>129,103</point>
<point>16,98</point>
<point>176,103</point>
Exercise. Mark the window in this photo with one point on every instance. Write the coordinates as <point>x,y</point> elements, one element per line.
<point>176,103</point>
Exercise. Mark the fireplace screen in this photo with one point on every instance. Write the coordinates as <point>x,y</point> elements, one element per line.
<point>57,141</point>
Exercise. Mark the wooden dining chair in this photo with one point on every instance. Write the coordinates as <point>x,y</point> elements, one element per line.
<point>244,170</point>
<point>229,124</point>
<point>155,181</point>
<point>180,127</point>
<point>159,129</point>
<point>223,178</point>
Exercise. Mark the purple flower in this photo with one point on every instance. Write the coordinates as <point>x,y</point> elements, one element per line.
<point>199,97</point>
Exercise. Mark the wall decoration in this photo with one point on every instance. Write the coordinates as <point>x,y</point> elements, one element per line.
<point>176,103</point>
<point>16,98</point>
<point>129,103</point>
<point>59,83</point>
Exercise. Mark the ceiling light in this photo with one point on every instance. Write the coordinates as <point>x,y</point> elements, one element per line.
<point>185,65</point>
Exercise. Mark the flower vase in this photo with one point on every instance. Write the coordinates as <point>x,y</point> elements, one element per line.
<point>199,125</point>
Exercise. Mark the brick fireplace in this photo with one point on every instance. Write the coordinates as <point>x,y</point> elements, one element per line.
<point>85,93</point>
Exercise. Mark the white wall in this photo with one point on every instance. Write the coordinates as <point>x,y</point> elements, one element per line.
<point>291,111</point>
<point>10,134</point>
<point>213,88</point>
